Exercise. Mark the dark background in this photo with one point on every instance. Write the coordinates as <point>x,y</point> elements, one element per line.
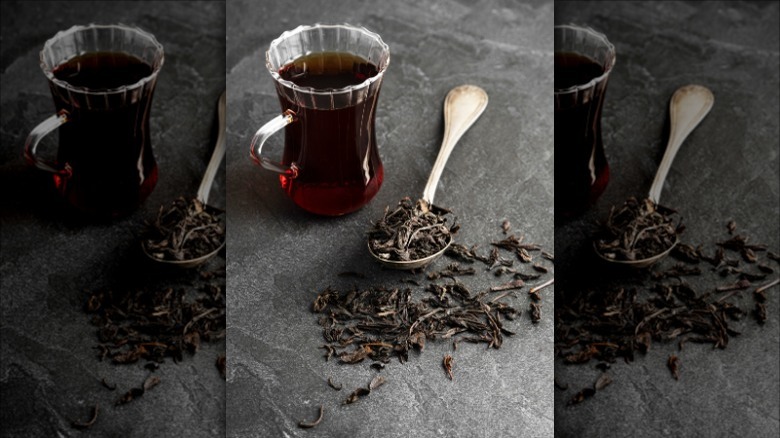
<point>50,260</point>
<point>280,257</point>
<point>727,169</point>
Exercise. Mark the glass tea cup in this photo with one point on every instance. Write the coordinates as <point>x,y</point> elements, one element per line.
<point>327,79</point>
<point>584,60</point>
<point>102,79</point>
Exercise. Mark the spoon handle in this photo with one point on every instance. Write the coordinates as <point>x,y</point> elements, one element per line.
<point>216,156</point>
<point>688,106</point>
<point>462,107</point>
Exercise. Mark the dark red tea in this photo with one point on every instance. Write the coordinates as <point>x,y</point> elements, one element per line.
<point>106,140</point>
<point>335,151</point>
<point>581,170</point>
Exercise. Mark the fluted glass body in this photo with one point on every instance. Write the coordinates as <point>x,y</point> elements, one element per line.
<point>330,144</point>
<point>102,79</point>
<point>583,62</point>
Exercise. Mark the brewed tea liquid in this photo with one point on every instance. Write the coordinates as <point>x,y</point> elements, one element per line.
<point>334,149</point>
<point>581,170</point>
<point>107,149</point>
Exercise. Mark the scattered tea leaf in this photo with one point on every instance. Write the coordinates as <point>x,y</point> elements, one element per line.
<point>222,365</point>
<point>86,424</point>
<point>107,385</point>
<point>447,364</point>
<point>309,425</point>
<point>333,385</point>
<point>674,366</point>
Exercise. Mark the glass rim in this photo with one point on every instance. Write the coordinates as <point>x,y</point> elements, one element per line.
<point>49,70</point>
<point>318,91</point>
<point>607,70</point>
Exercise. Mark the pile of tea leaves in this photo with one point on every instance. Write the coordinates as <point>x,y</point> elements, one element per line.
<point>186,230</point>
<point>153,323</point>
<point>379,323</point>
<point>637,230</point>
<point>609,324</point>
<point>411,231</point>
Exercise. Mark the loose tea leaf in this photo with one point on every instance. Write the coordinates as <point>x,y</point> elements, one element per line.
<point>333,385</point>
<point>447,364</point>
<point>107,385</point>
<point>412,231</point>
<point>221,366</point>
<point>376,382</point>
<point>309,425</point>
<point>356,394</point>
<point>184,231</point>
<point>674,366</point>
<point>134,393</point>
<point>636,231</point>
<point>87,424</point>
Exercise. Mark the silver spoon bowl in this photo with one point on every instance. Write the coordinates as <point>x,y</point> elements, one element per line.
<point>203,191</point>
<point>462,107</point>
<point>687,108</point>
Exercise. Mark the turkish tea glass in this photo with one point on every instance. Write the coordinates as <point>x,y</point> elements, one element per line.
<point>584,60</point>
<point>330,164</point>
<point>102,79</point>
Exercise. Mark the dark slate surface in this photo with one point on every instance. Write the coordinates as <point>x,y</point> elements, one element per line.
<point>49,372</point>
<point>280,257</point>
<point>727,169</point>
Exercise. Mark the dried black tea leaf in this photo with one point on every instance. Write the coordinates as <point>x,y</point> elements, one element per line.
<point>129,396</point>
<point>579,397</point>
<point>86,424</point>
<point>185,231</point>
<point>674,366</point>
<point>602,382</point>
<point>222,365</point>
<point>536,311</point>
<point>151,382</point>
<point>515,284</point>
<point>333,385</point>
<point>356,394</point>
<point>309,425</point>
<point>452,270</point>
<point>412,231</point>
<point>447,364</point>
<point>134,393</point>
<point>376,382</point>
<point>637,230</point>
<point>107,385</point>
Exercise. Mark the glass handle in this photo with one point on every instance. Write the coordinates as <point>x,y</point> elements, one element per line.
<point>36,135</point>
<point>262,134</point>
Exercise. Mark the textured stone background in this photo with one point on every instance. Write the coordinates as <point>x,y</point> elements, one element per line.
<point>280,257</point>
<point>727,169</point>
<point>49,372</point>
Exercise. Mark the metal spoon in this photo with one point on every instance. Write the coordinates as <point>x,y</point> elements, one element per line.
<point>204,189</point>
<point>688,106</point>
<point>462,107</point>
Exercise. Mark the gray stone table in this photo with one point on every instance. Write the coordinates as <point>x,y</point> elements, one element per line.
<point>49,262</point>
<point>726,170</point>
<point>280,257</point>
